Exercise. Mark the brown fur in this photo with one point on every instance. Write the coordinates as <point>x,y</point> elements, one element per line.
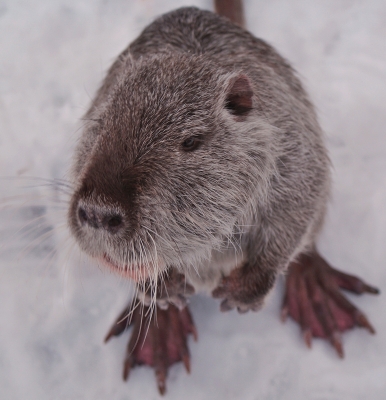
<point>202,152</point>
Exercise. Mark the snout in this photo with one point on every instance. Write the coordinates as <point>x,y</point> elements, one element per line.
<point>102,218</point>
<point>97,224</point>
<point>104,231</point>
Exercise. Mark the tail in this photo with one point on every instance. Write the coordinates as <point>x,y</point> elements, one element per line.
<point>231,9</point>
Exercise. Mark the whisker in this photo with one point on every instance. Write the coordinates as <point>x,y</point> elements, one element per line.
<point>25,251</point>
<point>35,243</point>
<point>49,258</point>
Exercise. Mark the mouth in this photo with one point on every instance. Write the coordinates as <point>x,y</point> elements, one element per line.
<point>135,272</point>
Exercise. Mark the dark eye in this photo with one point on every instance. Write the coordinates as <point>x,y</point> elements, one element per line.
<point>191,143</point>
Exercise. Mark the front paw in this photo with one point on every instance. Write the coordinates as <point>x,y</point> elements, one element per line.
<point>171,289</point>
<point>239,291</point>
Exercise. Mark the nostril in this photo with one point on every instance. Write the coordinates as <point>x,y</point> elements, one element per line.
<point>83,218</point>
<point>88,217</point>
<point>95,217</point>
<point>113,223</point>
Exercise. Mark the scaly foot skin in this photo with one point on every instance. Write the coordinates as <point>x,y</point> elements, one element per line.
<point>313,299</point>
<point>159,343</point>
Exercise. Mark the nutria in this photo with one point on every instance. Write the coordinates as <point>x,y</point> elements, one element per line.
<point>202,166</point>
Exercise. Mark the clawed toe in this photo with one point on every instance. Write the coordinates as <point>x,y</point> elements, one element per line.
<point>314,300</point>
<point>122,323</point>
<point>158,340</point>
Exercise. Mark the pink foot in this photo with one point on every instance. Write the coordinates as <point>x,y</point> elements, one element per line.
<point>314,300</point>
<point>159,343</point>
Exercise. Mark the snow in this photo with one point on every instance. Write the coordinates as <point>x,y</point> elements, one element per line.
<point>55,306</point>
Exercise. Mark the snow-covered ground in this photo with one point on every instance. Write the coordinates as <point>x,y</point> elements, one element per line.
<point>55,307</point>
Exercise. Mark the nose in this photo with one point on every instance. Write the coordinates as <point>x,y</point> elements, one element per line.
<point>112,222</point>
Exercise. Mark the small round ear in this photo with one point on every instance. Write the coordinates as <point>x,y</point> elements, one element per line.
<point>239,98</point>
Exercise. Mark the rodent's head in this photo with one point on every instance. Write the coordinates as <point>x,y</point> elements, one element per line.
<point>167,165</point>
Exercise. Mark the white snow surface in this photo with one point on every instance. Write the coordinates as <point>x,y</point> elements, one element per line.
<point>56,306</point>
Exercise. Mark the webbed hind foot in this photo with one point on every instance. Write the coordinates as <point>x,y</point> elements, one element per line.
<point>313,299</point>
<point>158,340</point>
